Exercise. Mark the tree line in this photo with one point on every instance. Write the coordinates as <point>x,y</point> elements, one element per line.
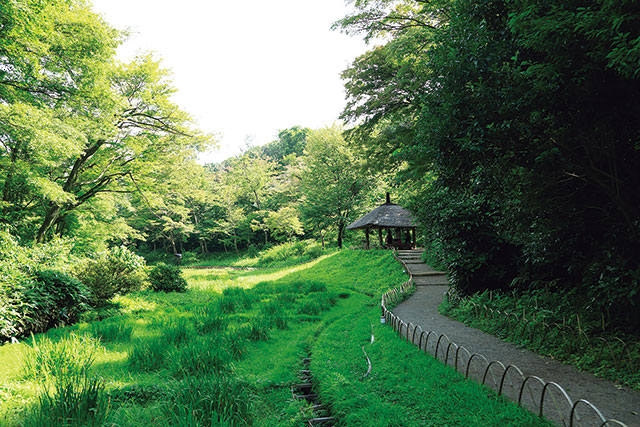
<point>95,151</point>
<point>515,124</point>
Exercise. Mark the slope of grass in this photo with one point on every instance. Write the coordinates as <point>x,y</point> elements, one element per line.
<point>227,351</point>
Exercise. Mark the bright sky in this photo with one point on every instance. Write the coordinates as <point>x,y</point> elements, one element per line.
<point>244,69</point>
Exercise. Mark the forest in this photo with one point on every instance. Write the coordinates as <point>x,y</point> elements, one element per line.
<point>510,128</point>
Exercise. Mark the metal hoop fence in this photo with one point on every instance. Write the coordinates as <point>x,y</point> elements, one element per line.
<point>547,399</point>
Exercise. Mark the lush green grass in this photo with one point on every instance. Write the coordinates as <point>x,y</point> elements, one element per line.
<point>226,352</point>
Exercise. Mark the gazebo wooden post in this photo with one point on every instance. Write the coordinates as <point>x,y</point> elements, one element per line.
<point>413,236</point>
<point>366,232</point>
<point>380,236</point>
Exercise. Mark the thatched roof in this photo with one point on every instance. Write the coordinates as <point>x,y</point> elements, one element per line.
<point>387,215</point>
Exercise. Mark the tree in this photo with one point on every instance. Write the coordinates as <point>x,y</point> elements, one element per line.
<point>251,176</point>
<point>284,224</point>
<point>290,142</point>
<point>332,181</point>
<point>532,142</point>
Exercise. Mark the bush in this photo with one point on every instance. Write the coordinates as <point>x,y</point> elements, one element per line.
<point>116,271</point>
<point>25,296</point>
<point>53,299</point>
<point>167,278</point>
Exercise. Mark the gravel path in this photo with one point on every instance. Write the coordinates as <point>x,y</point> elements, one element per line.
<point>613,401</point>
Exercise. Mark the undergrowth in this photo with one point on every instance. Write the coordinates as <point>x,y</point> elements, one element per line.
<point>554,325</point>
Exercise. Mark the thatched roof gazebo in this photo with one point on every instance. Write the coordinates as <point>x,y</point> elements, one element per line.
<point>399,224</point>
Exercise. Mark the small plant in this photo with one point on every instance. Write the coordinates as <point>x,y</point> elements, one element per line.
<point>167,278</point>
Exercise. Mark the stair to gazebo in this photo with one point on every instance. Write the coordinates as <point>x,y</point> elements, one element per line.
<point>423,275</point>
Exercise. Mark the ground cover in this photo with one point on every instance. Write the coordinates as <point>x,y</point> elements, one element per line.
<point>226,351</point>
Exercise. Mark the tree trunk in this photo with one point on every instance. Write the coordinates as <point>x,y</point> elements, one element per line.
<point>50,218</point>
<point>235,242</point>
<point>340,231</point>
<point>54,210</point>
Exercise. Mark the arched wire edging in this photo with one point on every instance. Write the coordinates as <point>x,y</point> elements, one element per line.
<point>398,293</point>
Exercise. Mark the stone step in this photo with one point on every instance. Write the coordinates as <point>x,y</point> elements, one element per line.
<point>428,273</point>
<point>431,280</point>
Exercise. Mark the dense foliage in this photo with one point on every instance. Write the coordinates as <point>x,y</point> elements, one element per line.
<point>114,271</point>
<point>525,113</point>
<point>167,278</point>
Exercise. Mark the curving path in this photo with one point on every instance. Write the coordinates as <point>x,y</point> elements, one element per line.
<point>421,308</point>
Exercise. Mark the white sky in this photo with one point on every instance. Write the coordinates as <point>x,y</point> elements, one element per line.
<point>244,69</point>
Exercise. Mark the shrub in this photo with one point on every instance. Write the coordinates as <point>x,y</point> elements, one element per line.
<point>25,296</point>
<point>53,299</point>
<point>116,271</point>
<point>167,278</point>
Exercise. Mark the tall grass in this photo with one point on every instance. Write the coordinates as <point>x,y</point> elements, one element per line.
<point>236,299</point>
<point>111,330</point>
<point>201,356</point>
<point>209,401</point>
<point>77,402</point>
<point>61,360</point>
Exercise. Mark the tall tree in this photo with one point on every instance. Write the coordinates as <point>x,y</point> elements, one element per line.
<point>332,181</point>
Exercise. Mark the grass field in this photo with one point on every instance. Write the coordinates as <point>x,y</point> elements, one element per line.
<point>226,352</point>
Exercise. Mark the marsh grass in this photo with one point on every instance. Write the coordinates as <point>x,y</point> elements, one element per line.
<point>148,354</point>
<point>208,319</point>
<point>217,400</point>
<point>75,402</point>
<point>236,299</point>
<point>202,356</point>
<point>111,330</point>
<point>219,357</point>
<point>59,360</point>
